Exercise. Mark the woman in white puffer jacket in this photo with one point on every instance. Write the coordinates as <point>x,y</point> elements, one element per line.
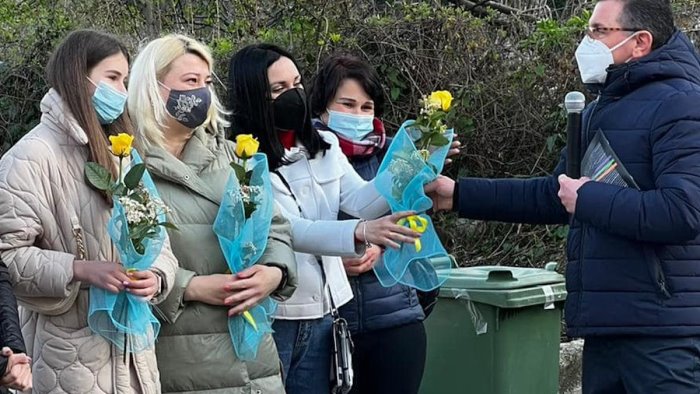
<point>53,226</point>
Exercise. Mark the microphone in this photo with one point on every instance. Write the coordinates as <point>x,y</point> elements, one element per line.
<point>574,102</point>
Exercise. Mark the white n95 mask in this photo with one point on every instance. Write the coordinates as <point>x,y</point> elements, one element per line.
<point>593,59</point>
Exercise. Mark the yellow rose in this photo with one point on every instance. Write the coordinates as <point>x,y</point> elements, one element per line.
<point>121,144</point>
<point>441,99</point>
<point>246,146</point>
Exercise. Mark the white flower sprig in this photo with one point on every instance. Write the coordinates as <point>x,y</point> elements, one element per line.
<point>251,194</point>
<point>141,210</point>
<point>138,212</point>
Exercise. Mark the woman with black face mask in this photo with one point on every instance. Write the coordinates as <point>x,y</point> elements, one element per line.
<point>312,181</point>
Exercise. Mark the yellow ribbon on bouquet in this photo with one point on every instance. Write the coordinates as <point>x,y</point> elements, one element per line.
<point>247,315</point>
<point>416,223</point>
<point>250,320</point>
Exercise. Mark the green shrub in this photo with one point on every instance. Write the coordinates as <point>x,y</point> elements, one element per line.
<point>508,73</point>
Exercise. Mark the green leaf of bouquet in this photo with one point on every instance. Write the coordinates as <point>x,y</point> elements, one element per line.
<point>437,115</point>
<point>98,176</point>
<point>168,225</point>
<point>423,141</point>
<point>140,230</point>
<point>152,233</point>
<point>248,209</point>
<point>424,129</point>
<point>118,189</point>
<point>138,197</point>
<point>439,140</point>
<point>133,177</point>
<point>138,246</point>
<point>239,170</point>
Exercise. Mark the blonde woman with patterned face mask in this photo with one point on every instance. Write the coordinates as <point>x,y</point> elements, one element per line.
<point>179,126</point>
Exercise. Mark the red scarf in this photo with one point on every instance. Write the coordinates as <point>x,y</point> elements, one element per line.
<point>287,138</point>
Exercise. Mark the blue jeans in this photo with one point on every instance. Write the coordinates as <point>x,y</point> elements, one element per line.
<point>305,348</point>
<point>641,365</point>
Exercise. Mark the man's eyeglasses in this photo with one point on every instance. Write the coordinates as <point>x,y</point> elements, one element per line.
<point>597,32</point>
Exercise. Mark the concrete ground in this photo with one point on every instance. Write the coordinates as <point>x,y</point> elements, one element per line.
<point>570,355</point>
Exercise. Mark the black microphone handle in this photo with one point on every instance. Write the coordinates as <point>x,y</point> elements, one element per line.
<point>573,145</point>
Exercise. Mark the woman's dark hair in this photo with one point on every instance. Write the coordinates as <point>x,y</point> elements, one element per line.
<point>250,101</point>
<point>67,72</point>
<point>337,69</point>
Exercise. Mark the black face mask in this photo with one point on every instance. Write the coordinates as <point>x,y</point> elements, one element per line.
<point>189,107</point>
<point>290,110</point>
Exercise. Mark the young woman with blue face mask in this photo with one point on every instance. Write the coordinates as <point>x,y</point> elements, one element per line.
<point>312,181</point>
<point>386,323</point>
<point>53,225</point>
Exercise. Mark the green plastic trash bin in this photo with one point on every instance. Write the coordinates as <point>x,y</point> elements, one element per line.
<point>496,330</point>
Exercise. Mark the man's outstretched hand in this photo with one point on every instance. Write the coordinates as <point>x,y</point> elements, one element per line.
<point>441,191</point>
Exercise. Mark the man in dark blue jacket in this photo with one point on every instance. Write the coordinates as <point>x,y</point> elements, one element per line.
<point>633,273</point>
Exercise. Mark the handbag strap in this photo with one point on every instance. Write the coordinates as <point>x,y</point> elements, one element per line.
<point>327,289</point>
<point>326,286</point>
<point>289,189</point>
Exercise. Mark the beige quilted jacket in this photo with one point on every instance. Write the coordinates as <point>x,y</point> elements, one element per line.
<point>45,209</point>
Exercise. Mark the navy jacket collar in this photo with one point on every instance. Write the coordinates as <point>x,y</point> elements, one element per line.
<point>675,59</point>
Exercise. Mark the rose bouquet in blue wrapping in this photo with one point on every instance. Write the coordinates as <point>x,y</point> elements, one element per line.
<point>242,226</point>
<point>137,230</point>
<point>416,157</point>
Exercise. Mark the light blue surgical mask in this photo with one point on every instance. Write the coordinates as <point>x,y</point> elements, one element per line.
<point>351,126</point>
<point>108,102</point>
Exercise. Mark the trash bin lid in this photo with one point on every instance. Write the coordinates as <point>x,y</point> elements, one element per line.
<point>507,287</point>
<point>501,277</point>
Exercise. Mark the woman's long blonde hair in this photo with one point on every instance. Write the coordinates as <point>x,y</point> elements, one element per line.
<point>146,106</point>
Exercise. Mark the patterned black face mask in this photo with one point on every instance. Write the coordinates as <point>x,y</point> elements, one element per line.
<point>189,107</point>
